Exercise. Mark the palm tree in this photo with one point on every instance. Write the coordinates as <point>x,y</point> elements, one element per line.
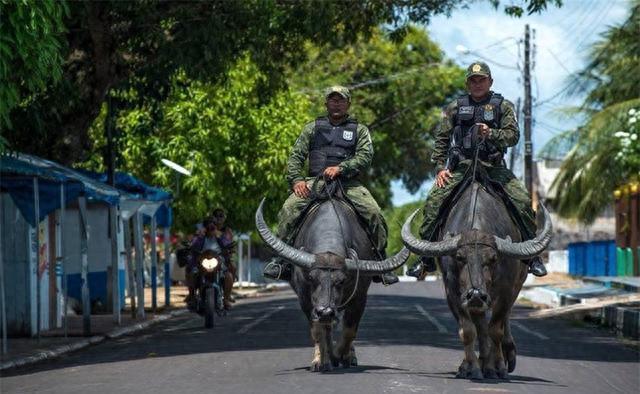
<point>606,152</point>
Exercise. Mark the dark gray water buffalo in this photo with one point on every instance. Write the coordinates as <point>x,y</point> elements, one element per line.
<point>333,264</point>
<point>482,275</point>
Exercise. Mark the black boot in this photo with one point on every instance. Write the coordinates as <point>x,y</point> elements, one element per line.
<point>426,264</point>
<point>536,267</point>
<point>277,269</point>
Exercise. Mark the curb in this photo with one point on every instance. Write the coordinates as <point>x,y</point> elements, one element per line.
<point>86,342</point>
<point>624,319</point>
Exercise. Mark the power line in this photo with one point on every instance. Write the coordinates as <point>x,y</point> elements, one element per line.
<point>598,16</point>
<point>558,61</point>
<point>379,80</point>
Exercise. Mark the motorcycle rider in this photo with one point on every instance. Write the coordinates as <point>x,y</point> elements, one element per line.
<point>209,240</point>
<point>224,234</point>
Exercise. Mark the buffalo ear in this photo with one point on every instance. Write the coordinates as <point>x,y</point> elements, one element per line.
<point>448,235</point>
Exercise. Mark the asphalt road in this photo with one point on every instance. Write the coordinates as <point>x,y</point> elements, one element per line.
<point>407,343</point>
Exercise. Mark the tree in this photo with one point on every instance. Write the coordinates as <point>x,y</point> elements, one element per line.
<point>142,44</point>
<point>399,88</point>
<point>31,42</point>
<point>238,145</point>
<point>235,145</point>
<point>606,153</point>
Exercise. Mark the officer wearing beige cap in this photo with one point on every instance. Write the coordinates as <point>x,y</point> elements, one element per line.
<point>336,145</point>
<point>494,119</point>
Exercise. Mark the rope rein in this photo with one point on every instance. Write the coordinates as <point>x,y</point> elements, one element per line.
<point>346,247</point>
<point>474,204</point>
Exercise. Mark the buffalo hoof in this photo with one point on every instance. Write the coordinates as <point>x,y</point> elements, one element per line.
<point>317,366</point>
<point>466,371</point>
<point>349,361</point>
<point>509,352</point>
<point>503,374</point>
<point>476,374</point>
<point>489,373</point>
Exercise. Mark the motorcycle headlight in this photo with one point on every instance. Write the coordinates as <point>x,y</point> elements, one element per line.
<point>210,264</point>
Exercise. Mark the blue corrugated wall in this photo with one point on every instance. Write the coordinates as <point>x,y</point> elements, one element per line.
<point>595,258</point>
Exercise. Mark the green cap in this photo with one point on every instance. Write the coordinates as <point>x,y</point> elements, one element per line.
<point>478,68</point>
<point>341,90</point>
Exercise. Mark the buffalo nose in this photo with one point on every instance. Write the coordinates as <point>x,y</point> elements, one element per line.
<point>476,296</point>
<point>325,312</point>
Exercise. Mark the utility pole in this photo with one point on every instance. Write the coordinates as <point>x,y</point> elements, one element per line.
<point>528,146</point>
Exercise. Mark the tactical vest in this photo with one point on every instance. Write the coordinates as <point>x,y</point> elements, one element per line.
<point>331,145</point>
<point>468,114</point>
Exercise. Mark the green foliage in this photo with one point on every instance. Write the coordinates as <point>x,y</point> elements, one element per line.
<point>140,45</point>
<point>398,90</point>
<point>395,219</point>
<point>595,166</point>
<point>31,43</point>
<point>235,145</point>
<point>606,153</point>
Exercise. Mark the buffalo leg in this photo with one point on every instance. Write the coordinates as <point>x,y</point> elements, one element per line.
<point>345,351</point>
<point>470,367</point>
<point>496,333</point>
<point>509,347</point>
<point>321,334</point>
<point>484,345</point>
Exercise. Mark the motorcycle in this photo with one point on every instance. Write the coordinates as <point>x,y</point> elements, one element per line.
<point>209,294</point>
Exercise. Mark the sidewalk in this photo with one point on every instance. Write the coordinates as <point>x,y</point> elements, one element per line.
<point>53,343</point>
<point>613,302</point>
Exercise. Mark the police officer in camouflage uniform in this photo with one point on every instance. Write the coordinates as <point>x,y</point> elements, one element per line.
<point>336,146</point>
<point>495,120</point>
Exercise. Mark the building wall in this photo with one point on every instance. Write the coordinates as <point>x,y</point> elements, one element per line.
<point>16,264</point>
<point>99,254</point>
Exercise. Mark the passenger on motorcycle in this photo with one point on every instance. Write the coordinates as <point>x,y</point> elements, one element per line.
<point>210,239</point>
<point>224,234</point>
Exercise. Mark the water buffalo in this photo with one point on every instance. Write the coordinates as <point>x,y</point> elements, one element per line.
<point>333,265</point>
<point>482,272</point>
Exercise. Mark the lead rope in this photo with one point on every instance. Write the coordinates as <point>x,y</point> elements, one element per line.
<point>473,206</point>
<point>346,248</point>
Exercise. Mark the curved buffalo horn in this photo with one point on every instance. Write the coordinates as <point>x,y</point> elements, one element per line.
<point>296,256</point>
<point>527,249</point>
<point>377,266</point>
<point>427,248</point>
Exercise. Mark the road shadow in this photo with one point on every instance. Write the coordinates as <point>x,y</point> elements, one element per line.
<point>390,320</point>
<point>342,371</point>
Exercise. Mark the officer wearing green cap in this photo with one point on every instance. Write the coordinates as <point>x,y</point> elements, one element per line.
<point>495,121</point>
<point>336,145</point>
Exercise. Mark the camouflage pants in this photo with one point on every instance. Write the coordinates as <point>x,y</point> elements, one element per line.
<point>362,200</point>
<point>512,186</point>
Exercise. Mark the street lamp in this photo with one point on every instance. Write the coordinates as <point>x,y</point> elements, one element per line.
<point>179,170</point>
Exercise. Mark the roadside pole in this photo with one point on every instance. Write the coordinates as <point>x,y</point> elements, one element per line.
<point>115,266</point>
<point>137,240</point>
<point>63,268</point>
<point>154,264</point>
<point>528,146</point>
<point>167,267</point>
<point>36,219</point>
<point>130,274</point>
<point>84,273</point>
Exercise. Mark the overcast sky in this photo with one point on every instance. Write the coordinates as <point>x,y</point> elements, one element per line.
<point>562,40</point>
